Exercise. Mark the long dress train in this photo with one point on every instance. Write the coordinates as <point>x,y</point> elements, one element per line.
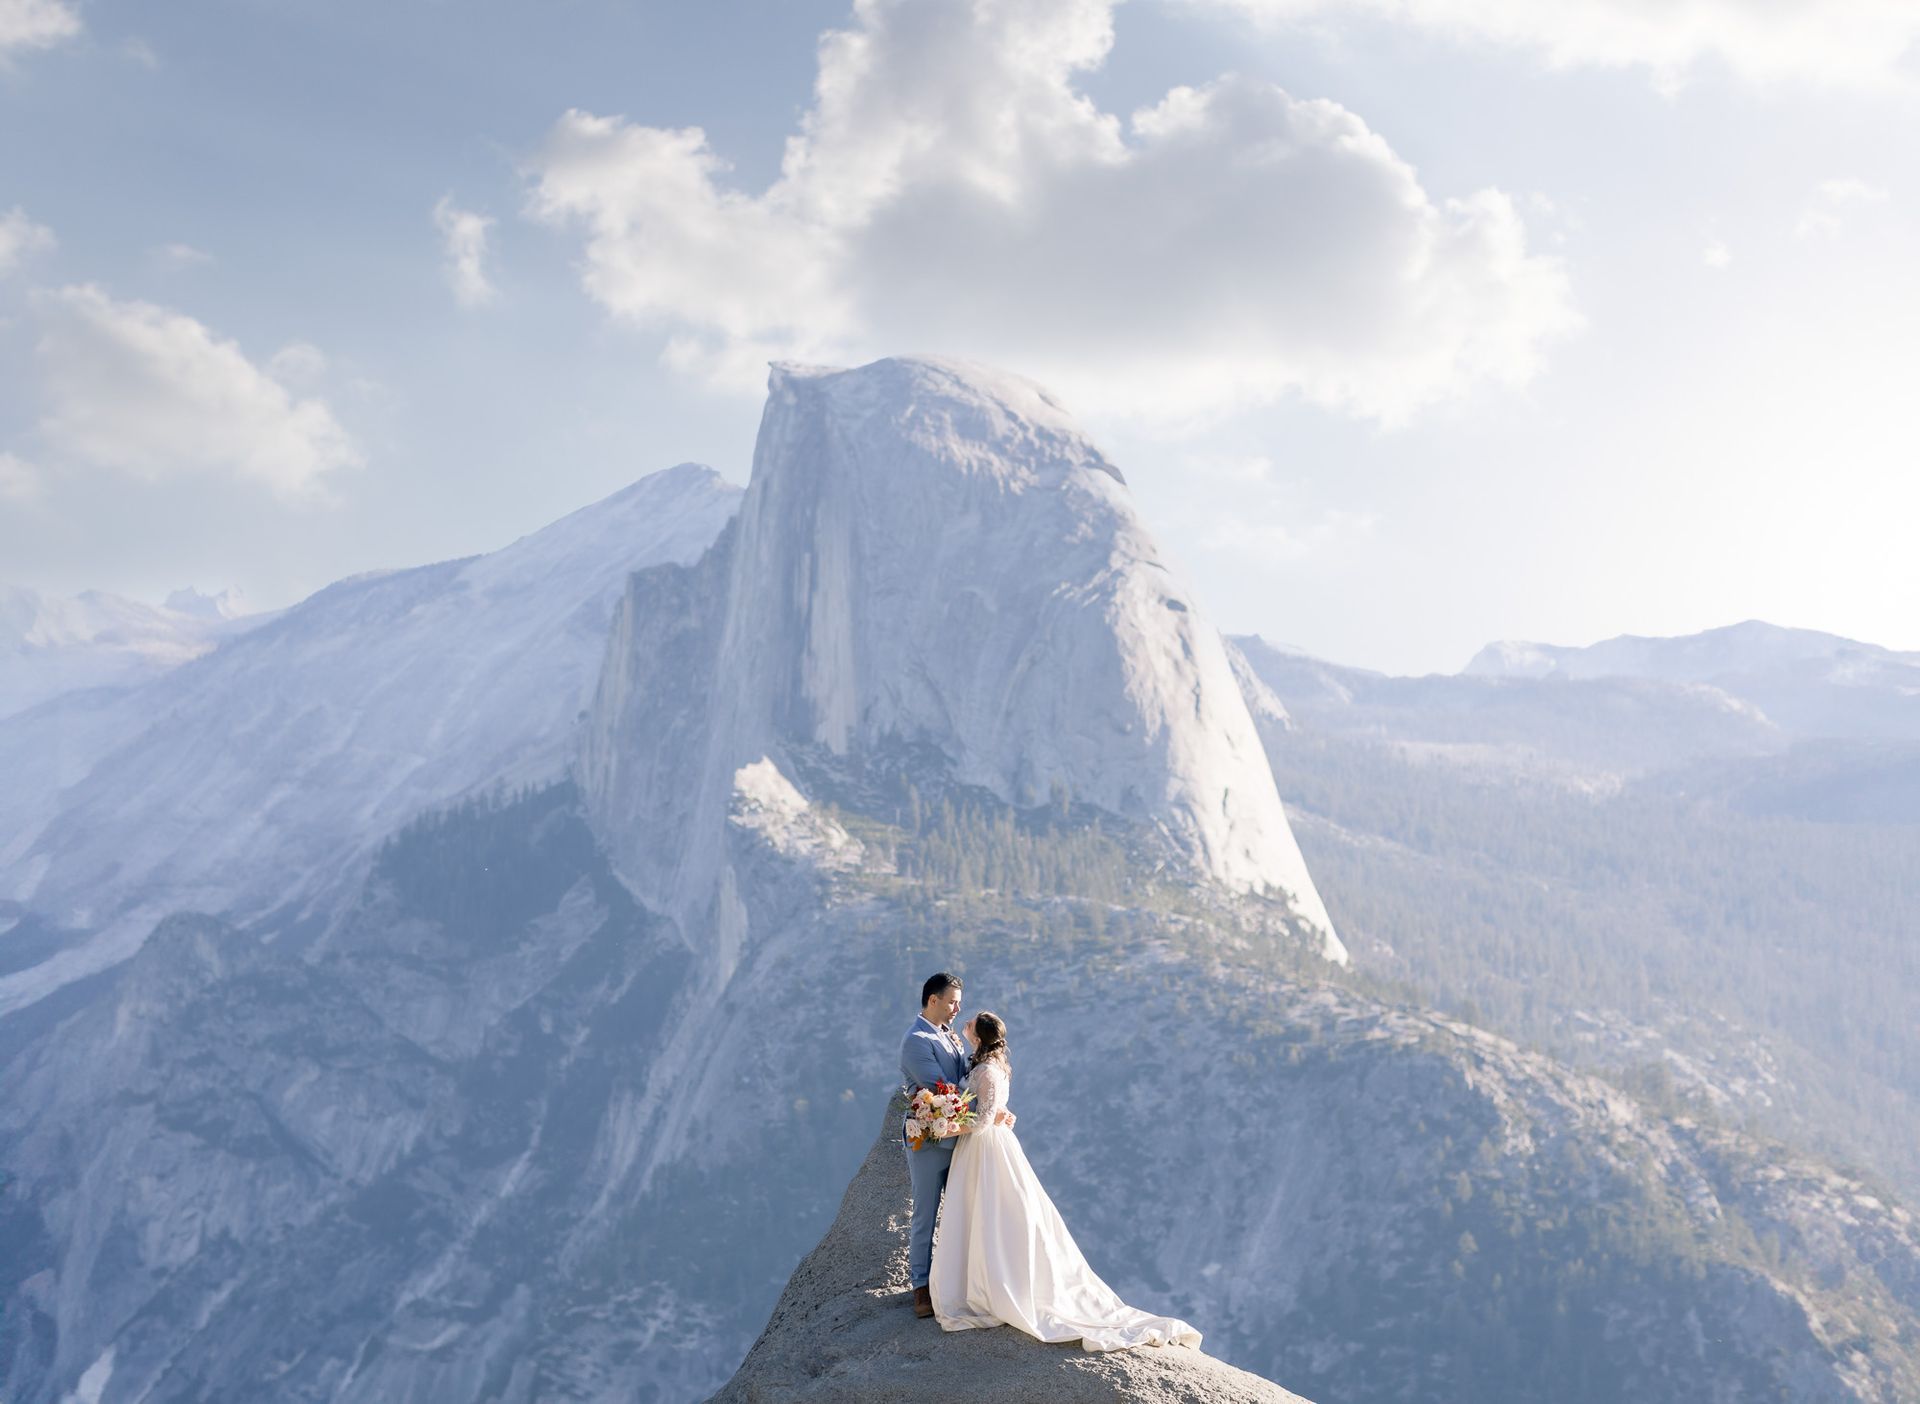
<point>1003,1255</point>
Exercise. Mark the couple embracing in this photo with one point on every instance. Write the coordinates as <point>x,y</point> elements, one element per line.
<point>1004,1256</point>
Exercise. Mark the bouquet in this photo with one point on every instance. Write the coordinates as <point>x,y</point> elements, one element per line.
<point>937,1114</point>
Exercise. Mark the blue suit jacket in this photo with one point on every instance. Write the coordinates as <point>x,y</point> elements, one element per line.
<point>926,1059</point>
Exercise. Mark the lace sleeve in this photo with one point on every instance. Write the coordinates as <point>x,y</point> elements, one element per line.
<point>989,1084</point>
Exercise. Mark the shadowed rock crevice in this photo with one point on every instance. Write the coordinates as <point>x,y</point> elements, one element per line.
<point>844,1329</point>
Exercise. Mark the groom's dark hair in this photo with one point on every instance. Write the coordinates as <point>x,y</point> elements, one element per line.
<point>938,984</point>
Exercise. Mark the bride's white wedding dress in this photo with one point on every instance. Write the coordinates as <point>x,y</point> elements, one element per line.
<point>1003,1255</point>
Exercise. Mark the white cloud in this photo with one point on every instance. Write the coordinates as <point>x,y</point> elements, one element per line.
<point>465,236</point>
<point>1270,533</point>
<point>1268,520</point>
<point>35,24</point>
<point>175,257</point>
<point>1236,471</point>
<point>298,363</point>
<point>949,190</point>
<point>1840,42</point>
<point>20,238</point>
<point>1716,254</point>
<point>143,390</point>
<point>1831,198</point>
<point>18,479</point>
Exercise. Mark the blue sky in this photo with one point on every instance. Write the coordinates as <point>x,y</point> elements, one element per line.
<point>1414,325</point>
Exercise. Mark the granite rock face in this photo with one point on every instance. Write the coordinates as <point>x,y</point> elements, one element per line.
<point>932,556</point>
<point>844,1329</point>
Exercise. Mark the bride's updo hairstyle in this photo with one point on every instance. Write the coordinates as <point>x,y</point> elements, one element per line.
<point>992,1034</point>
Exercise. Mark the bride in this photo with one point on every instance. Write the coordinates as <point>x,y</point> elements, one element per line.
<point>1003,1255</point>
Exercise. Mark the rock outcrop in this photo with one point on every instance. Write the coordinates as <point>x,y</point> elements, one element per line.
<point>931,557</point>
<point>844,1330</point>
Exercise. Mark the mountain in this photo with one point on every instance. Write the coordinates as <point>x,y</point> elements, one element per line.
<point>450,1151</point>
<point>1645,875</point>
<point>51,645</point>
<point>251,778</point>
<point>1752,646</point>
<point>224,604</point>
<point>516,1041</point>
<point>1766,720</point>
<point>931,558</point>
<point>1592,736</point>
<point>1847,713</point>
<point>844,1331</point>
<point>1809,683</point>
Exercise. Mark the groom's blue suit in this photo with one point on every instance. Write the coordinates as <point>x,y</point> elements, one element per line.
<point>929,1054</point>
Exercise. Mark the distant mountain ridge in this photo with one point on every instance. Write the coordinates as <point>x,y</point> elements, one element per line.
<point>51,644</point>
<point>1808,682</point>
<point>1753,645</point>
<point>380,696</point>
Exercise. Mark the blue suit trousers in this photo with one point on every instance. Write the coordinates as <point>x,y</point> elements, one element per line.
<point>927,1167</point>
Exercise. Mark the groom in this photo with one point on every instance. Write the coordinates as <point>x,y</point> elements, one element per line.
<point>932,1052</point>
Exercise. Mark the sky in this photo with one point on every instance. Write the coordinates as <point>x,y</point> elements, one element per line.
<point>1414,324</point>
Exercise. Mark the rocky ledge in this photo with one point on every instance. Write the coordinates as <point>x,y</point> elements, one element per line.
<point>844,1330</point>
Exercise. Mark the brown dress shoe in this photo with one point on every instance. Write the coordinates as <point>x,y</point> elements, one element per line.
<point>922,1301</point>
